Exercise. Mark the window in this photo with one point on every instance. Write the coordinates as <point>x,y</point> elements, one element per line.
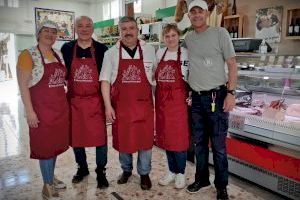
<point>2,3</point>
<point>114,9</point>
<point>13,3</point>
<point>137,6</point>
<point>111,9</point>
<point>106,11</point>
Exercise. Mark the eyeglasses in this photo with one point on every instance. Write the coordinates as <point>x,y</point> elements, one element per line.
<point>49,31</point>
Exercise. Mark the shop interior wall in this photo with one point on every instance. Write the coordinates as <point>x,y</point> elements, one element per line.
<point>21,21</point>
<point>150,6</point>
<point>248,9</point>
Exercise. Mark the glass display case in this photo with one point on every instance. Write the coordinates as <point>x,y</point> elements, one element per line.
<point>263,79</point>
<point>264,138</point>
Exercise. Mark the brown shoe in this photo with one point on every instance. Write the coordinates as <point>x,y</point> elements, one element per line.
<point>146,182</point>
<point>124,177</point>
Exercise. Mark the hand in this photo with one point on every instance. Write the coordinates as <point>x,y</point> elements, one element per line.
<point>229,103</point>
<point>189,101</point>
<point>32,119</point>
<point>110,114</point>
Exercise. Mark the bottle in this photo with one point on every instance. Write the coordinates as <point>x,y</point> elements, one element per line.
<point>236,32</point>
<point>296,28</point>
<point>291,28</point>
<point>233,11</point>
<point>231,32</point>
<point>263,48</point>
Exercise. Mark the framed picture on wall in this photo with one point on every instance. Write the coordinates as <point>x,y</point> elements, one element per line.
<point>64,19</point>
<point>268,24</point>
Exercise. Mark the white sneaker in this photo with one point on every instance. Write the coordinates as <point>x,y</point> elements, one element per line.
<point>49,193</point>
<point>180,181</point>
<point>58,184</point>
<point>167,179</point>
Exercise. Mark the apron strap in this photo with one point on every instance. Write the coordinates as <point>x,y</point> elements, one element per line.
<point>54,54</point>
<point>140,51</point>
<point>163,57</point>
<point>178,54</point>
<point>92,49</point>
<point>139,47</point>
<point>57,57</point>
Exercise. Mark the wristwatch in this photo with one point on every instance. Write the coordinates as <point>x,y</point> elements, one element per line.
<point>232,92</point>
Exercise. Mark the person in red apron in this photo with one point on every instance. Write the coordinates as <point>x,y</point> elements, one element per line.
<point>126,78</point>
<point>83,58</point>
<point>171,108</point>
<point>41,76</point>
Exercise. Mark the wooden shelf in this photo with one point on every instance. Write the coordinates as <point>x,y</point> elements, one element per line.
<point>292,37</point>
<point>234,21</point>
<point>232,16</point>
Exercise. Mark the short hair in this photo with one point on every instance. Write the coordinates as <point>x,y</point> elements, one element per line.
<point>127,19</point>
<point>82,17</point>
<point>168,27</point>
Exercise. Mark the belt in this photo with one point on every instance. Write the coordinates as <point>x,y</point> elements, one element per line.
<point>208,92</point>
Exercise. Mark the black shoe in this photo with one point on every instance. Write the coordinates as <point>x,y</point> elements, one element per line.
<point>196,186</point>
<point>101,179</point>
<point>222,194</point>
<point>81,173</point>
<point>145,182</point>
<point>124,177</point>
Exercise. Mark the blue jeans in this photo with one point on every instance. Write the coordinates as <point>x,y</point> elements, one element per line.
<point>47,169</point>
<point>143,162</point>
<point>210,125</point>
<point>101,157</point>
<point>176,161</point>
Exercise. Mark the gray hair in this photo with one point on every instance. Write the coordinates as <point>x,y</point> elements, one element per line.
<point>78,19</point>
<point>127,19</point>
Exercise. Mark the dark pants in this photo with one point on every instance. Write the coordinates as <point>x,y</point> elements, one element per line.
<point>101,157</point>
<point>176,161</point>
<point>210,125</point>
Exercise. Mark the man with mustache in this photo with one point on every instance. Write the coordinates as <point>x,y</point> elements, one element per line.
<point>126,79</point>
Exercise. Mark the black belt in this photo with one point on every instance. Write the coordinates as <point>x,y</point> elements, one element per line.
<point>208,92</point>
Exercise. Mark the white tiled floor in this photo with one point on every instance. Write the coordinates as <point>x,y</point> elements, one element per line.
<point>20,177</point>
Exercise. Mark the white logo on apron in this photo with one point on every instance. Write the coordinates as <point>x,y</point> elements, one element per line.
<point>83,74</point>
<point>167,74</point>
<point>131,75</point>
<point>57,79</point>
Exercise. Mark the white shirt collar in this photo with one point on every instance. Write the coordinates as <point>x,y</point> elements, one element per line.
<point>142,43</point>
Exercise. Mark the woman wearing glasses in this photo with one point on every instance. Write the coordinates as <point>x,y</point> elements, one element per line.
<point>41,76</point>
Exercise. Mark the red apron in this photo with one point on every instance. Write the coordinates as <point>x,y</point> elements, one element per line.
<point>131,96</point>
<point>49,101</point>
<point>88,124</point>
<point>172,127</point>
